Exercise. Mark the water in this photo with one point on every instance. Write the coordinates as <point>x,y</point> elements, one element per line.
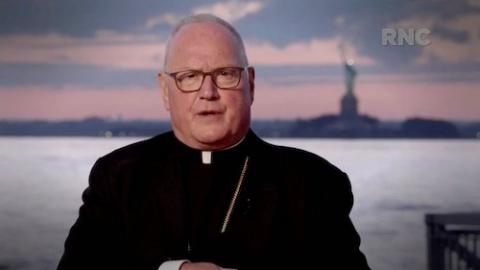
<point>395,183</point>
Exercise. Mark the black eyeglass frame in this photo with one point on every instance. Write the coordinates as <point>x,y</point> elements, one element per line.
<point>212,74</point>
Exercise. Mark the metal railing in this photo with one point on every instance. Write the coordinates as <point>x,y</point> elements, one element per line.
<point>453,241</point>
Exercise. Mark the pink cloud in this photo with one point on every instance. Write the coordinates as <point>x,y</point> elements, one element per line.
<point>312,52</point>
<point>140,51</point>
<point>383,99</point>
<point>105,49</point>
<point>447,100</point>
<point>73,102</point>
<point>389,98</point>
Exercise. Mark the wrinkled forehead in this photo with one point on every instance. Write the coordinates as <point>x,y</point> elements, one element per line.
<point>203,44</point>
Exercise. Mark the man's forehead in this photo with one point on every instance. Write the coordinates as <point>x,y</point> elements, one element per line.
<point>196,42</point>
<point>203,31</point>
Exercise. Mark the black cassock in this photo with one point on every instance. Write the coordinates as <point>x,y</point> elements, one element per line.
<point>155,200</point>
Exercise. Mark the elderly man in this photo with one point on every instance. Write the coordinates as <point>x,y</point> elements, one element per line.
<point>211,194</point>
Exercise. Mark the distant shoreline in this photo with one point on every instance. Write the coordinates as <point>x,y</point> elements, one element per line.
<point>328,126</point>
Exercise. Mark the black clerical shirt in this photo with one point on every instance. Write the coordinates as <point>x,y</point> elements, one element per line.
<point>208,189</point>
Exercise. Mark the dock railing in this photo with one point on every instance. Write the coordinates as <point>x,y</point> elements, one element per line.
<point>453,241</point>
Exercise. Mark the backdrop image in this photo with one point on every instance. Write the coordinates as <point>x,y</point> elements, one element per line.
<point>387,91</point>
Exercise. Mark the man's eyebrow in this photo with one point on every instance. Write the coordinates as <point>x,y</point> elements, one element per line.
<point>181,69</point>
<point>176,70</point>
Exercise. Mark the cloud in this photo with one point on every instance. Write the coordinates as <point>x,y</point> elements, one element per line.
<point>474,3</point>
<point>445,46</point>
<point>312,52</point>
<point>116,50</point>
<point>106,49</point>
<point>168,18</point>
<point>231,11</point>
<point>451,51</point>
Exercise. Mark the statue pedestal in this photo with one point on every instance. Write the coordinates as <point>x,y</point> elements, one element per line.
<point>349,105</point>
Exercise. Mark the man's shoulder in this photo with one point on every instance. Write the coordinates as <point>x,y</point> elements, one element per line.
<point>154,147</point>
<point>304,172</point>
<point>299,158</point>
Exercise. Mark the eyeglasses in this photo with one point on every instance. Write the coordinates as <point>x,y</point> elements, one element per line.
<point>224,78</point>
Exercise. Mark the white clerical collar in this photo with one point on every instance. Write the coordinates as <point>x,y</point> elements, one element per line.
<point>207,155</point>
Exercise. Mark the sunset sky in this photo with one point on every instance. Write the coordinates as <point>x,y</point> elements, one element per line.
<point>70,59</point>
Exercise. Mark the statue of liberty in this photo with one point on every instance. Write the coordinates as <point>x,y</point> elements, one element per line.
<point>350,72</point>
<point>349,101</point>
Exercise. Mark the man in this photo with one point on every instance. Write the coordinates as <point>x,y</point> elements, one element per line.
<point>211,194</point>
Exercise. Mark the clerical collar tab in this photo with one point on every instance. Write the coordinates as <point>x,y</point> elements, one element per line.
<point>206,157</point>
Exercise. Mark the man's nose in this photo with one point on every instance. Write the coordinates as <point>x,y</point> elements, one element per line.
<point>208,90</point>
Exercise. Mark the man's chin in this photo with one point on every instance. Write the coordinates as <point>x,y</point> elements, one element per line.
<point>212,137</point>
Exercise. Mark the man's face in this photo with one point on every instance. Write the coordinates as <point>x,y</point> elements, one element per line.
<point>211,118</point>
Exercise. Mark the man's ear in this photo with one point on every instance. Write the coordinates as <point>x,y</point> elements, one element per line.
<point>251,82</point>
<point>162,80</point>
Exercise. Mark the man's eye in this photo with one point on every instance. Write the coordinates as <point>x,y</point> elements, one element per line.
<point>186,76</point>
<point>227,72</point>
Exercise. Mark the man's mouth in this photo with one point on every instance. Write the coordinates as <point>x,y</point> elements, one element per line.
<point>207,113</point>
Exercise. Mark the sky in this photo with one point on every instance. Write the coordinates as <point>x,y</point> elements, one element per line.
<point>70,59</point>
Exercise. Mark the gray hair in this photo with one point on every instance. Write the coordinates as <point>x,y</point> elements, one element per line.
<point>200,18</point>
